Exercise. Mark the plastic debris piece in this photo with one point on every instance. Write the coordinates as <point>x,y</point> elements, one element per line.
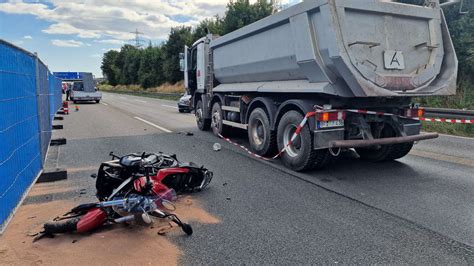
<point>216,147</point>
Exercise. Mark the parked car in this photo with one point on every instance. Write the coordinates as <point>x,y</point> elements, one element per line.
<point>184,103</point>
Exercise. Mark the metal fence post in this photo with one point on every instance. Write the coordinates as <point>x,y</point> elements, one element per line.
<point>38,107</point>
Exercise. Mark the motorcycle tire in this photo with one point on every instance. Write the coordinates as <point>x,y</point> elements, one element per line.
<point>61,227</point>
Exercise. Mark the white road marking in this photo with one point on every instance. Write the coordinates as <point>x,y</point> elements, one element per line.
<point>140,101</point>
<point>170,106</point>
<point>104,103</point>
<point>153,125</point>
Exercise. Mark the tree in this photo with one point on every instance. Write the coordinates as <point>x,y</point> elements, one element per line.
<point>177,39</point>
<point>214,25</point>
<point>153,66</point>
<point>241,13</point>
<point>108,67</point>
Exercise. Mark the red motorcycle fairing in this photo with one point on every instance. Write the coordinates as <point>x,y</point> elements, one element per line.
<point>163,173</point>
<point>91,220</point>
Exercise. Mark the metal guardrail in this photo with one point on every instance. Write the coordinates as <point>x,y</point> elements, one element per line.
<point>449,113</point>
<point>145,93</point>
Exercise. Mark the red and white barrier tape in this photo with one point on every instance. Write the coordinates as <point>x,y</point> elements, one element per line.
<point>313,113</point>
<point>445,120</point>
<point>297,132</point>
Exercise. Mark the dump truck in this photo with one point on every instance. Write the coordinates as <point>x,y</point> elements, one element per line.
<point>82,85</point>
<point>355,64</point>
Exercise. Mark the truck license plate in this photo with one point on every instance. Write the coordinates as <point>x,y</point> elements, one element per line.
<point>327,124</point>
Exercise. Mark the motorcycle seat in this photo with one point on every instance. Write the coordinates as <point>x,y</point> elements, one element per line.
<point>134,160</point>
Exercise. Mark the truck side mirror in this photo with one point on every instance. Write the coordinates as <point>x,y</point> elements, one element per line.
<point>181,62</point>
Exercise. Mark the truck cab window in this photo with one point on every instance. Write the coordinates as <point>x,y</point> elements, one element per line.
<point>192,72</point>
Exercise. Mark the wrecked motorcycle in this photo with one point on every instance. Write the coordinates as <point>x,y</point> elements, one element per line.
<point>166,169</point>
<point>134,188</point>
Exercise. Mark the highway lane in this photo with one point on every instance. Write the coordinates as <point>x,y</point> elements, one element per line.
<point>434,182</point>
<point>418,209</point>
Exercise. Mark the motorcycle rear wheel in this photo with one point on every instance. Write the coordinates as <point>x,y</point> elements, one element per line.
<point>61,227</point>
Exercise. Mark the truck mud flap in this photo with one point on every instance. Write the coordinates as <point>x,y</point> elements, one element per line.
<point>383,141</point>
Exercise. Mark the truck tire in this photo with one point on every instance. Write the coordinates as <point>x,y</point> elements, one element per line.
<point>217,117</point>
<point>385,152</point>
<point>300,155</point>
<point>262,139</point>
<point>202,123</point>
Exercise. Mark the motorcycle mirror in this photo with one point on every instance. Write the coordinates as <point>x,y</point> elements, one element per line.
<point>143,155</point>
<point>111,153</point>
<point>94,176</point>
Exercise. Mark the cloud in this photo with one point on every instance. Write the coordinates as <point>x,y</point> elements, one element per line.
<point>27,37</point>
<point>114,21</point>
<point>111,41</point>
<point>111,19</point>
<point>67,43</point>
<point>67,29</point>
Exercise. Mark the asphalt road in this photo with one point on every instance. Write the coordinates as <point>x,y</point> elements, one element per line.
<point>419,209</point>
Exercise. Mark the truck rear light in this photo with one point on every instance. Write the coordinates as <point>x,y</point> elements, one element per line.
<point>331,116</point>
<point>415,112</point>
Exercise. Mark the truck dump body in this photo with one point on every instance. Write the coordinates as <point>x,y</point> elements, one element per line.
<point>364,48</point>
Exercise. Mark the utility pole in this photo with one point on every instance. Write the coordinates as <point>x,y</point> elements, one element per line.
<point>138,41</point>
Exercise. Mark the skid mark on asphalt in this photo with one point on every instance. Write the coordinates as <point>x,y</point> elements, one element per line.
<point>442,157</point>
<point>153,125</point>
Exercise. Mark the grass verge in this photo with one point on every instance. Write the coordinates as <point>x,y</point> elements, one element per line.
<point>148,94</point>
<point>165,91</point>
<point>465,130</point>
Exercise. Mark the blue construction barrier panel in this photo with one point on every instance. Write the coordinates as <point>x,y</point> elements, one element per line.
<point>44,106</point>
<point>55,95</point>
<point>25,124</point>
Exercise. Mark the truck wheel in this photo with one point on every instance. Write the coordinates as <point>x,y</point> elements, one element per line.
<point>385,152</point>
<point>202,123</point>
<point>217,125</point>
<point>262,139</point>
<point>298,156</point>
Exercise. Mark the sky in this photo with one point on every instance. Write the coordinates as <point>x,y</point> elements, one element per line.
<point>73,35</point>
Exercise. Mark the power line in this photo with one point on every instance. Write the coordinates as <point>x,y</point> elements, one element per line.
<point>138,41</point>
